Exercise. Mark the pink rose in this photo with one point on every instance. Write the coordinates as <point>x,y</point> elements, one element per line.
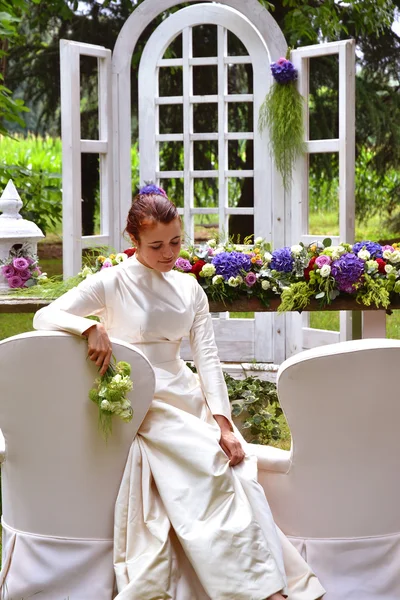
<point>322,260</point>
<point>20,263</point>
<point>15,282</point>
<point>250,279</point>
<point>25,274</point>
<point>8,271</point>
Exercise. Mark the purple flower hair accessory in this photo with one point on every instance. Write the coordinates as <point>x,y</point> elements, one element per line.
<point>152,189</point>
<point>282,260</point>
<point>283,71</point>
<point>347,271</point>
<point>231,264</point>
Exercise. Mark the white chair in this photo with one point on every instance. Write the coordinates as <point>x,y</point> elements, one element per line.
<point>59,477</point>
<point>336,494</point>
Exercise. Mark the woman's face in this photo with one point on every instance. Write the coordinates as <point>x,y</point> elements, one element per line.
<point>160,245</point>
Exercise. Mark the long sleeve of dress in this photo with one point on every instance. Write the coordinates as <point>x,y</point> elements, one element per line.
<point>68,312</point>
<point>206,360</point>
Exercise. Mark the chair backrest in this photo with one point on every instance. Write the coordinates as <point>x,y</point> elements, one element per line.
<point>59,476</point>
<point>342,404</point>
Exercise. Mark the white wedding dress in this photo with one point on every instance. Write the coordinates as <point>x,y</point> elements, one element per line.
<point>187,525</point>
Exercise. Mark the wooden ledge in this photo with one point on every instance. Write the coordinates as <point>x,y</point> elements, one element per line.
<point>31,305</point>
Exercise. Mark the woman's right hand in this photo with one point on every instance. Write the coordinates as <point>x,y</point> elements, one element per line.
<point>99,346</point>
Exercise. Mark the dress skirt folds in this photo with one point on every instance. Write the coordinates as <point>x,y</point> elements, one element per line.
<point>187,525</point>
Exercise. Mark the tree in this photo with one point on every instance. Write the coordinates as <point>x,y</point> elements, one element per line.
<point>34,68</point>
<point>11,12</point>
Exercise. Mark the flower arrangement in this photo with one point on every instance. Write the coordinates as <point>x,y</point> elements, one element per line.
<point>282,114</point>
<point>366,271</point>
<point>298,274</point>
<point>227,271</point>
<point>110,395</point>
<point>21,269</point>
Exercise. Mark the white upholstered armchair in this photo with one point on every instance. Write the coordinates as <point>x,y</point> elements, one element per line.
<point>59,478</point>
<point>336,494</point>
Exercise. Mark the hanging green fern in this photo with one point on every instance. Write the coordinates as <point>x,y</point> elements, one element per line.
<point>282,113</point>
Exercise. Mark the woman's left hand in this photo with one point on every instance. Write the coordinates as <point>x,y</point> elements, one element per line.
<point>229,442</point>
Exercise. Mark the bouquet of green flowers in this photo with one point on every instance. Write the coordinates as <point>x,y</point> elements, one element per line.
<point>110,395</point>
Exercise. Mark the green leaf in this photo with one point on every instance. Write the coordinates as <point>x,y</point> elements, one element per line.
<point>327,242</point>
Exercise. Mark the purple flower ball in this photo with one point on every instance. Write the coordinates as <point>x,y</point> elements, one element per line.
<point>231,264</point>
<point>15,282</point>
<point>373,248</point>
<point>347,271</point>
<point>283,71</point>
<point>322,260</point>
<point>183,264</point>
<point>20,264</point>
<point>282,260</point>
<point>153,189</point>
<point>8,271</point>
<point>250,279</point>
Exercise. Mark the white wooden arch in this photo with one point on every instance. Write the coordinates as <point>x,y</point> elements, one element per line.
<point>141,17</point>
<point>237,338</point>
<point>273,340</point>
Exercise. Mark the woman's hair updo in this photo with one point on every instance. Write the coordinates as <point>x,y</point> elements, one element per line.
<point>151,205</point>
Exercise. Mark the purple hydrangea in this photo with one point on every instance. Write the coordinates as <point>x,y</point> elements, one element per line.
<point>347,271</point>
<point>373,248</point>
<point>250,279</point>
<point>283,71</point>
<point>15,282</point>
<point>8,271</point>
<point>183,264</point>
<point>20,264</point>
<point>282,260</point>
<point>152,189</point>
<point>231,264</point>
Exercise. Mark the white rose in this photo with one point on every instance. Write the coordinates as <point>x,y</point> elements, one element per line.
<point>296,249</point>
<point>258,241</point>
<point>217,280</point>
<point>105,405</point>
<point>86,272</point>
<point>325,271</point>
<point>268,257</point>
<point>117,378</point>
<point>387,254</point>
<point>372,265</point>
<point>389,268</point>
<point>395,258</point>
<point>212,243</point>
<point>233,282</point>
<point>265,284</point>
<point>364,254</point>
<point>120,257</point>
<point>208,270</point>
<point>239,279</point>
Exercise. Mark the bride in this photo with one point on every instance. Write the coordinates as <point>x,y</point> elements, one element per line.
<point>191,521</point>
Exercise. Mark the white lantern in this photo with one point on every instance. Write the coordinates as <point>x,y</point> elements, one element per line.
<point>15,232</point>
